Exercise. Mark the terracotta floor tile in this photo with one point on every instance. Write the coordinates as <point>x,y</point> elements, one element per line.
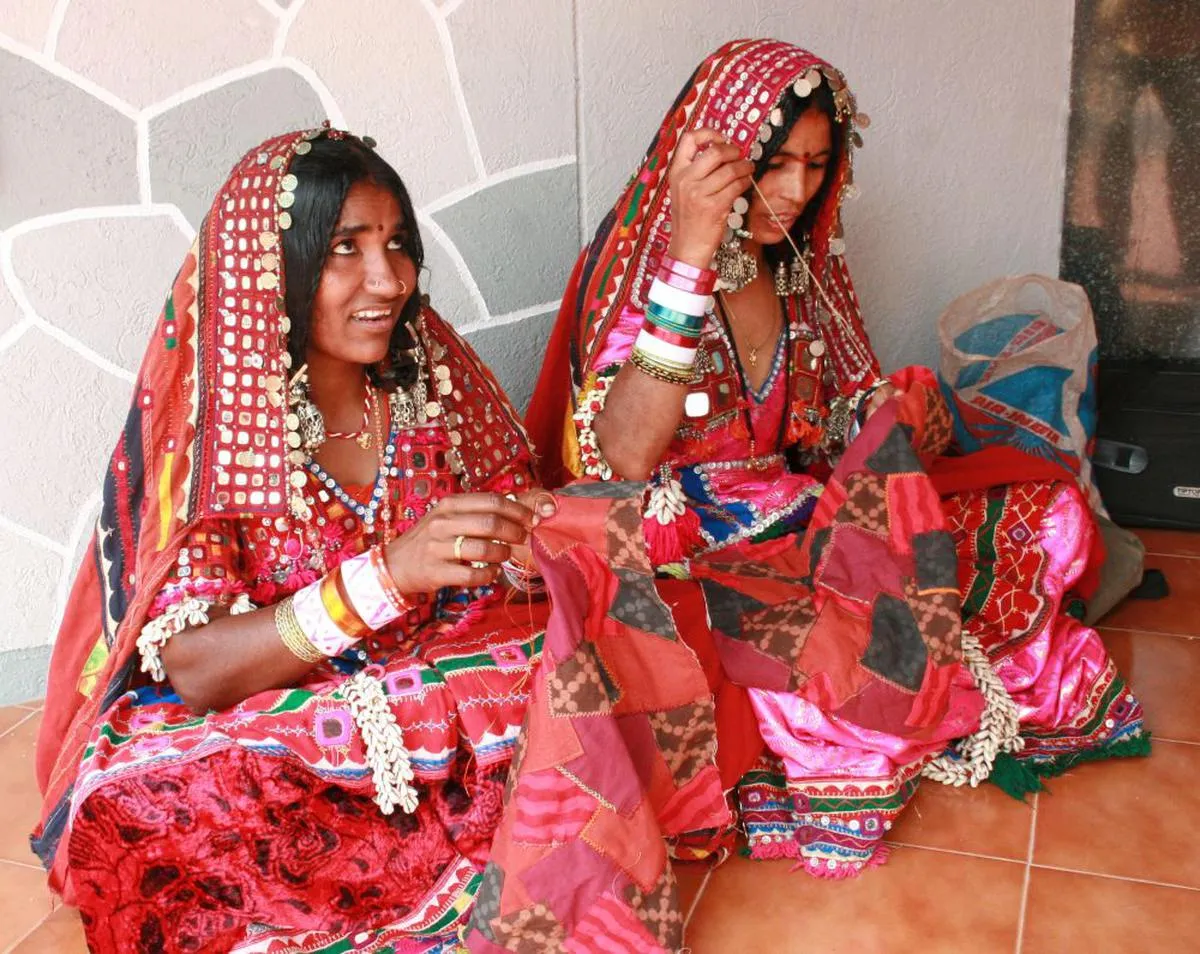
<point>981,820</point>
<point>1075,912</point>
<point>61,933</point>
<point>1134,818</point>
<point>1170,542</point>
<point>896,909</point>
<point>10,716</point>
<point>1178,613</point>
<point>1164,672</point>
<point>20,802</point>
<point>25,902</point>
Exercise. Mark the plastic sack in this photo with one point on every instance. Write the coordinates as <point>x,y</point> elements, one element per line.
<point>1018,368</point>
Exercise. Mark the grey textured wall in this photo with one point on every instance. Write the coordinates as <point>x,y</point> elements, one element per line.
<point>514,123</point>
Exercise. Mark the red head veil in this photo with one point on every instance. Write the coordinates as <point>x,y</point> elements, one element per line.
<point>732,91</point>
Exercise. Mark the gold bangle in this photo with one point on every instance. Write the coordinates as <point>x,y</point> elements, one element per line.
<point>644,358</point>
<point>293,636</point>
<point>656,370</point>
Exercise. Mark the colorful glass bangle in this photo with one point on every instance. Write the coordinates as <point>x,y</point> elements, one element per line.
<point>398,601</point>
<point>677,299</point>
<point>292,635</point>
<point>666,355</point>
<point>674,320</point>
<point>664,351</point>
<point>683,269</point>
<point>368,592</point>
<point>683,284</point>
<point>338,606</point>
<point>652,368</point>
<point>656,322</point>
<point>672,337</point>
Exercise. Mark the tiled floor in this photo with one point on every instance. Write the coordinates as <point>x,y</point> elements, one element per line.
<point>1107,862</point>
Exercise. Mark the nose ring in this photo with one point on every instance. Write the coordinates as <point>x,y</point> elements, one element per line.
<point>376,283</point>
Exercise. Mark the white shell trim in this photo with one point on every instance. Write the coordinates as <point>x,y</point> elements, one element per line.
<point>999,726</point>
<point>588,447</point>
<point>667,501</point>
<point>391,769</point>
<point>192,611</point>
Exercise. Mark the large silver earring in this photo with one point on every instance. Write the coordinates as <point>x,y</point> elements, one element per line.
<point>408,405</point>
<point>801,274</point>
<point>736,268</point>
<point>403,408</point>
<point>793,279</point>
<point>309,424</point>
<point>783,280</point>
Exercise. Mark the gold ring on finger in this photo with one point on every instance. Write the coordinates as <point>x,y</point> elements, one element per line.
<point>458,545</point>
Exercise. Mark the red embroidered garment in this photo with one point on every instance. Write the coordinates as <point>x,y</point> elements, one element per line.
<point>254,829</point>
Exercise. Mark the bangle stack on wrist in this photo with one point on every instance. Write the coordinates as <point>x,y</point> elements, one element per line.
<point>523,577</point>
<point>329,616</point>
<point>679,300</point>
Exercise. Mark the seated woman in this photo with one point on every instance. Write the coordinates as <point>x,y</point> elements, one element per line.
<point>813,574</point>
<point>286,692</point>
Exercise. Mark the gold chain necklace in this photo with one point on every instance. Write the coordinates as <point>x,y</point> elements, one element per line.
<point>752,354</point>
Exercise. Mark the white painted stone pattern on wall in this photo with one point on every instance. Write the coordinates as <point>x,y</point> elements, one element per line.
<point>118,117</point>
<point>101,280</point>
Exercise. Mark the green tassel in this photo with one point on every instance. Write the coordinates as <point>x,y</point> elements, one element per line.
<point>1138,745</point>
<point>1014,777</point>
<point>1019,777</point>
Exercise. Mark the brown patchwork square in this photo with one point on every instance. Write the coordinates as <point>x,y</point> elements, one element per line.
<point>580,685</point>
<point>532,928</point>
<point>866,501</point>
<point>626,545</point>
<point>687,738</point>
<point>781,630</point>
<point>659,910</point>
<point>939,429</point>
<point>938,617</point>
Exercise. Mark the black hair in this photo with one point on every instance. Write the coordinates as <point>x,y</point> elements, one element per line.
<point>793,107</point>
<point>325,175</point>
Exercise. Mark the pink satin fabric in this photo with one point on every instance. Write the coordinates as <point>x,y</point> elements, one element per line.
<point>814,745</point>
<point>1051,674</point>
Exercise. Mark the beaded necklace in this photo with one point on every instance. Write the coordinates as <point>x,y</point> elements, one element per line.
<point>379,493</point>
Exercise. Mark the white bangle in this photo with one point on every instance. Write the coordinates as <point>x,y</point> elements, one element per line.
<point>657,348</point>
<point>318,625</point>
<point>689,303</point>
<point>366,594</point>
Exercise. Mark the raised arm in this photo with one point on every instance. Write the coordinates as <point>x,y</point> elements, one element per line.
<point>645,401</point>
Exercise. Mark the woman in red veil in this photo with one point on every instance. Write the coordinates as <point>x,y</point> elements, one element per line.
<point>286,693</point>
